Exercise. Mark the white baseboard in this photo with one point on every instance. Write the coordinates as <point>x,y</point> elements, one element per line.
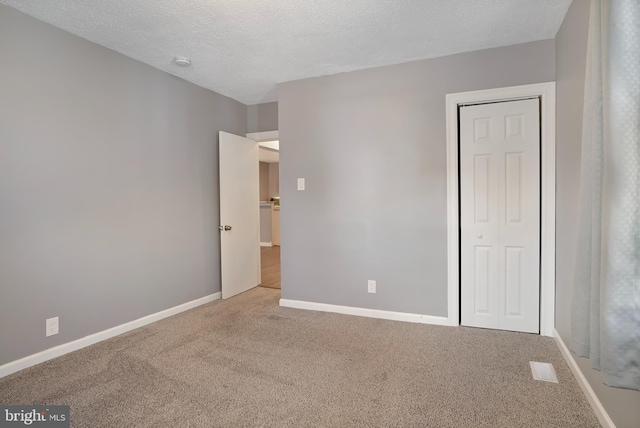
<point>364,312</point>
<point>57,351</point>
<point>596,405</point>
<point>266,244</point>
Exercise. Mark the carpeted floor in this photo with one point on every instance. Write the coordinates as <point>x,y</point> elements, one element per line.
<point>246,362</point>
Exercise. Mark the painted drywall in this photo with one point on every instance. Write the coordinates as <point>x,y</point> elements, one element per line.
<point>371,146</point>
<point>274,179</point>
<point>264,181</point>
<point>108,186</point>
<point>262,117</point>
<point>266,216</point>
<point>571,57</point>
<point>623,406</point>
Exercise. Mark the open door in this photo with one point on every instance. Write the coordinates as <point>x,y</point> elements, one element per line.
<point>239,214</point>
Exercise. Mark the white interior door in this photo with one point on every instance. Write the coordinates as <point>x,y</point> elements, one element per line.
<point>239,214</point>
<point>500,215</point>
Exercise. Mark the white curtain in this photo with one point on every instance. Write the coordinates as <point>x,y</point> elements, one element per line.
<point>606,298</point>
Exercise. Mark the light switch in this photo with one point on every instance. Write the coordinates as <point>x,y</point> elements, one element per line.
<point>300,183</point>
<point>371,286</point>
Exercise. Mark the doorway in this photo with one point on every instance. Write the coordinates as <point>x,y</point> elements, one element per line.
<point>455,102</point>
<point>269,178</point>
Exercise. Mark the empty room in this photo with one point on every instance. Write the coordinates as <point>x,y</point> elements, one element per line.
<point>287,213</point>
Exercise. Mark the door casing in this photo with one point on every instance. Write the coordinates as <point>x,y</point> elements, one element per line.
<point>546,92</point>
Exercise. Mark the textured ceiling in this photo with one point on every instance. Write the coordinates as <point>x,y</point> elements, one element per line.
<point>243,48</point>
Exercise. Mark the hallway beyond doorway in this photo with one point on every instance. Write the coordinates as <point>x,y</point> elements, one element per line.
<point>270,266</point>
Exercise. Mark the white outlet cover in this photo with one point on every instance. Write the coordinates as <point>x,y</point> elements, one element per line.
<point>371,286</point>
<point>300,183</point>
<point>52,326</point>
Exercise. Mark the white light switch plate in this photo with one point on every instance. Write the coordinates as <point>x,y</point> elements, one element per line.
<point>371,286</point>
<point>300,183</point>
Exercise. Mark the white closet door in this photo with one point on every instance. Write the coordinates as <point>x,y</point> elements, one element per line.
<point>500,215</point>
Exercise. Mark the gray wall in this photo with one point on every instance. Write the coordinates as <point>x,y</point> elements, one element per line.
<point>264,181</point>
<point>571,46</point>
<point>262,117</point>
<point>108,186</point>
<point>371,145</point>
<point>571,56</point>
<point>274,179</point>
<point>265,222</point>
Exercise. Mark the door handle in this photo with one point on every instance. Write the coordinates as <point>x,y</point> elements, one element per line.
<point>480,235</point>
<point>226,227</point>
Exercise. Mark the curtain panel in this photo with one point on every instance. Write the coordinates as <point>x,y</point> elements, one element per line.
<point>606,298</point>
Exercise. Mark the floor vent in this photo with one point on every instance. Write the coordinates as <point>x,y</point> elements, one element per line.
<point>543,371</point>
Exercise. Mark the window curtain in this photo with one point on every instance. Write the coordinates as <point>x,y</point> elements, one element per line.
<point>606,297</point>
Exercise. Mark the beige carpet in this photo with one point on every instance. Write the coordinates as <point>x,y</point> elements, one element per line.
<point>246,362</point>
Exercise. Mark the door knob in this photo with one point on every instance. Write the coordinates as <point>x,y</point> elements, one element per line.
<point>227,227</point>
<point>480,235</point>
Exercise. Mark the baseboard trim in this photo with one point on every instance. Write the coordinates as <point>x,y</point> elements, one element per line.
<point>266,244</point>
<point>596,405</point>
<point>364,312</point>
<point>65,348</point>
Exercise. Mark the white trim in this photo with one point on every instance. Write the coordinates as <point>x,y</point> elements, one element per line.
<point>57,351</point>
<point>266,244</point>
<point>264,136</point>
<point>364,312</point>
<point>547,91</point>
<point>596,405</point>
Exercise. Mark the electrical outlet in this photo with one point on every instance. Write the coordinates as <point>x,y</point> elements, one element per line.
<point>371,286</point>
<point>52,326</point>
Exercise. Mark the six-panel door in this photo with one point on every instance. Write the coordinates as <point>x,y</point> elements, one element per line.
<point>500,215</point>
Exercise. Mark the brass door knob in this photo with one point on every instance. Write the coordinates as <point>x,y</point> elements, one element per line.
<point>227,227</point>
